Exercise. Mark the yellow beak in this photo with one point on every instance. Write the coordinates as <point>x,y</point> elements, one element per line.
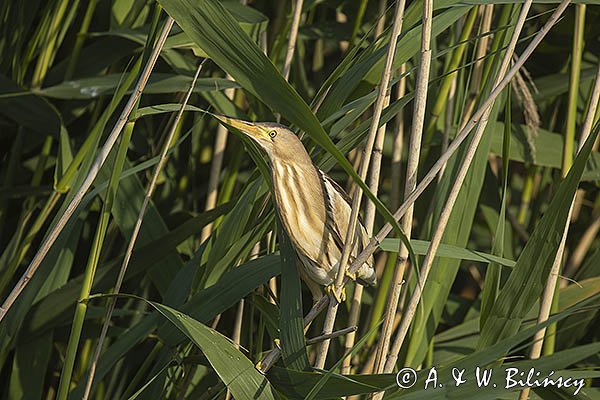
<point>248,128</point>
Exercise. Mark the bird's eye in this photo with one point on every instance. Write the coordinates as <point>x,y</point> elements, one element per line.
<point>272,134</point>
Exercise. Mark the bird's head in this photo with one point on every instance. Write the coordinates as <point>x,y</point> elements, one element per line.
<point>279,142</point>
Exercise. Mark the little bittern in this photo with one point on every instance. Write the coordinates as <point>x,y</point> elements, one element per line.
<point>313,208</point>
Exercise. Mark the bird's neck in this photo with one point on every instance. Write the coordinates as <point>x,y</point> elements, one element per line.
<point>298,193</point>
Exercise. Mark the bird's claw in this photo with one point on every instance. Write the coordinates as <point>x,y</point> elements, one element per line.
<point>330,289</point>
<point>351,275</point>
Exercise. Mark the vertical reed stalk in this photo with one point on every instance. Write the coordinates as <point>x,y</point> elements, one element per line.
<point>215,169</point>
<point>453,195</point>
<point>364,166</point>
<point>398,143</point>
<point>414,154</point>
<point>291,47</point>
<point>237,333</point>
<point>396,167</point>
<point>370,213</point>
<point>583,246</point>
<point>482,46</point>
<point>574,74</point>
<point>548,297</point>
<point>95,168</point>
<point>481,69</point>
<point>381,21</point>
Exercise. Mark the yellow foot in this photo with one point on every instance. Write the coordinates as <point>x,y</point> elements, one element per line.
<point>330,289</point>
<point>277,342</point>
<point>258,366</point>
<point>351,275</point>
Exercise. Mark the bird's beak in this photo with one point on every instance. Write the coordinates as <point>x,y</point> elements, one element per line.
<point>253,131</point>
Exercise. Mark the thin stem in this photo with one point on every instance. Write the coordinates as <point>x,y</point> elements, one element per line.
<point>358,21</point>
<point>398,143</point>
<point>94,169</point>
<point>571,123</point>
<point>353,318</point>
<point>291,47</point>
<point>80,40</point>
<point>453,195</point>
<point>237,332</point>
<point>482,47</point>
<point>550,288</point>
<point>333,335</point>
<point>526,195</point>
<point>138,223</point>
<point>381,21</point>
<point>583,246</point>
<point>357,196</point>
<point>215,169</point>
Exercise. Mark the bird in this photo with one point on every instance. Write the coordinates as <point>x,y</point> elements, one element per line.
<point>313,208</point>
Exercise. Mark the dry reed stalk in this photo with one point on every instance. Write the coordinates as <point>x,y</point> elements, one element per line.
<point>217,162</point>
<point>398,143</point>
<point>237,333</point>
<point>370,212</point>
<point>581,249</point>
<point>215,168</point>
<point>138,223</point>
<point>436,239</point>
<point>289,54</point>
<point>550,288</point>
<point>480,53</point>
<point>357,197</point>
<point>93,172</point>
<point>333,335</point>
<point>381,21</point>
<point>414,154</point>
<point>482,47</point>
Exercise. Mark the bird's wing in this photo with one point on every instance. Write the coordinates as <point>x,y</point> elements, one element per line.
<point>332,192</point>
<point>338,215</point>
<point>340,203</point>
